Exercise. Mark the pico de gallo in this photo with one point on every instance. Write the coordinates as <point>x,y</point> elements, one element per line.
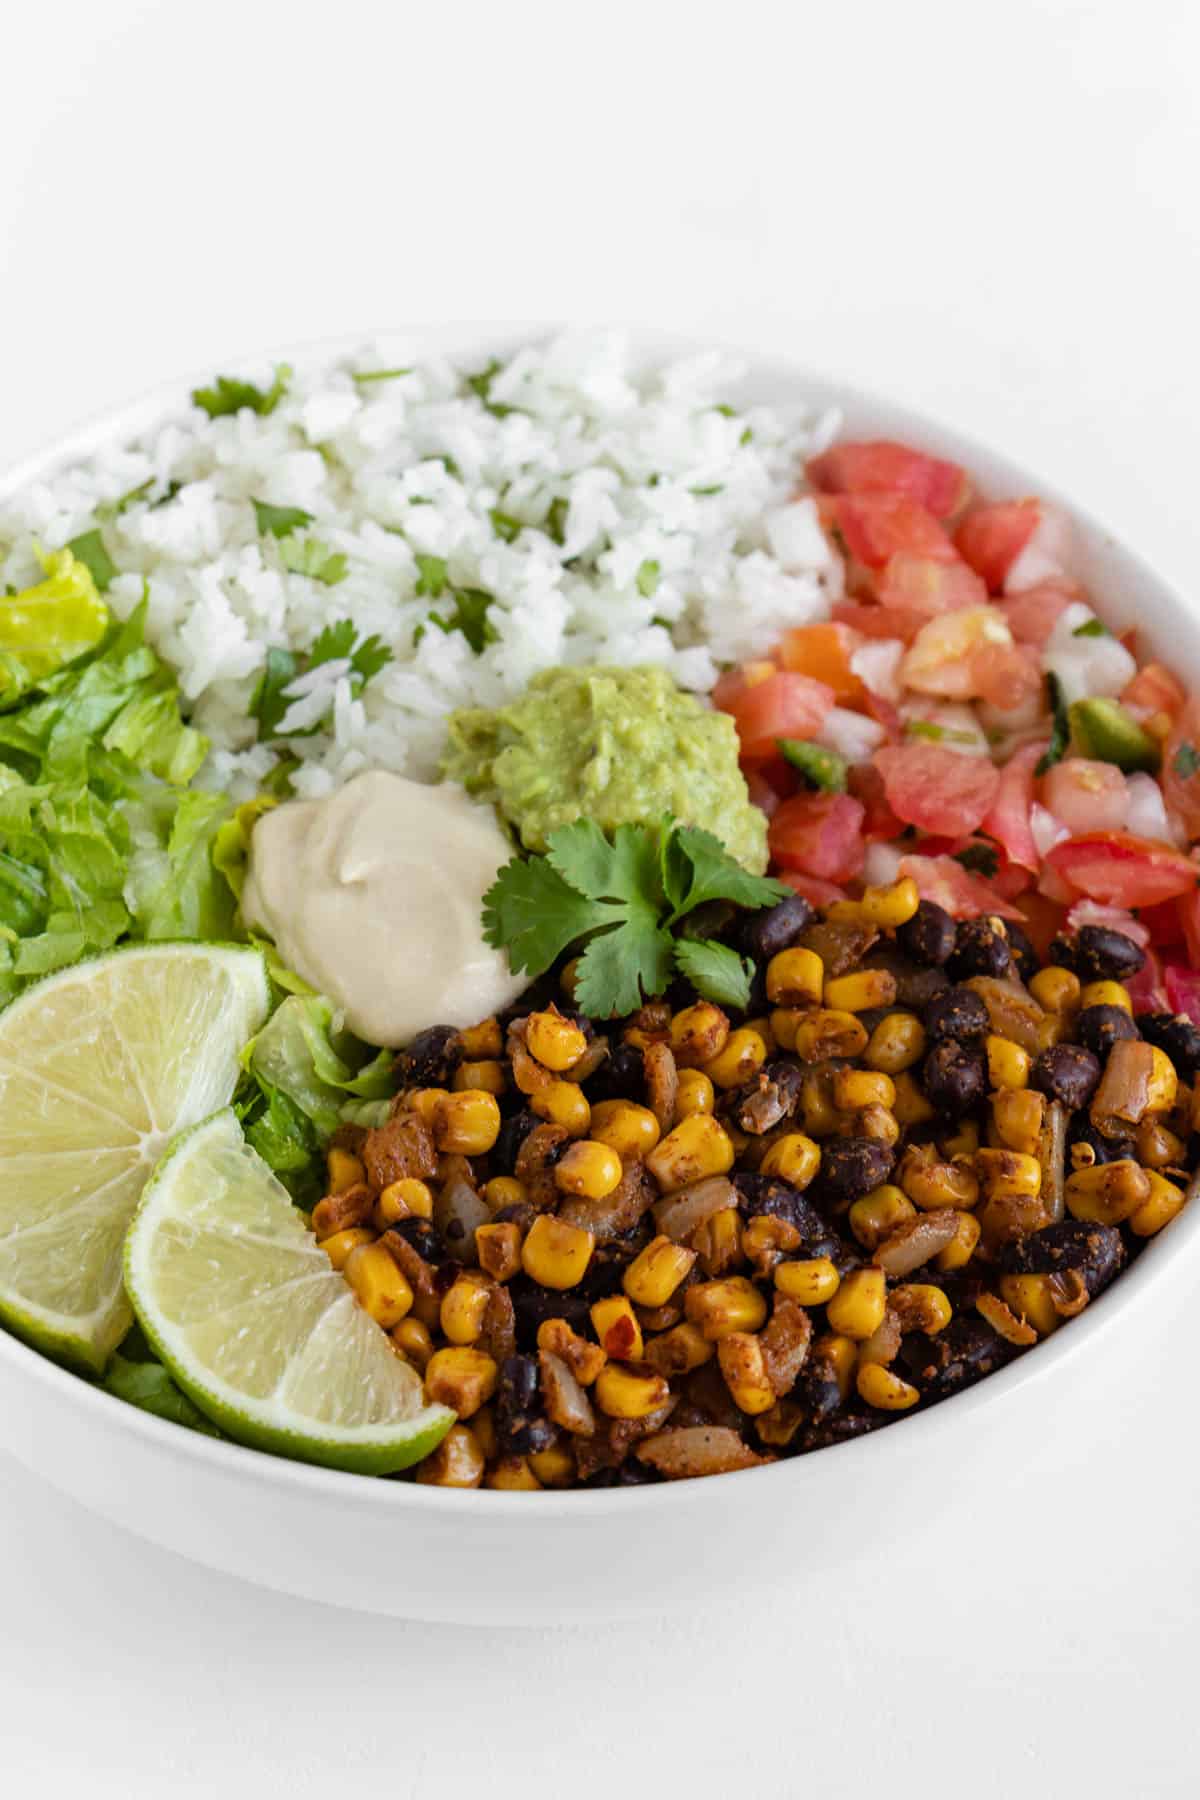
<point>966,717</point>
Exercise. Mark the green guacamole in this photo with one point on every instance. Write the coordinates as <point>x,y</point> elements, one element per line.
<point>620,746</point>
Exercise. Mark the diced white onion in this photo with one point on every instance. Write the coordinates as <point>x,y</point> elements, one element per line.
<point>881,864</point>
<point>956,721</point>
<point>795,536</point>
<point>1147,809</point>
<point>877,665</point>
<point>851,734</point>
<point>1086,667</point>
<point>1049,552</point>
<point>1047,830</point>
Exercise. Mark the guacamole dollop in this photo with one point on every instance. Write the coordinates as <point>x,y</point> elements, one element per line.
<point>620,746</point>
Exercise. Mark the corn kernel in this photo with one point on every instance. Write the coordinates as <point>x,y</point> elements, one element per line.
<point>1106,993</point>
<point>424,1102</point>
<point>910,1105</point>
<point>962,1141</point>
<point>876,1214</point>
<point>696,1094</point>
<point>795,977</point>
<point>794,1158</point>
<point>1055,989</point>
<point>920,1306</point>
<point>718,1241</point>
<point>1107,1193</point>
<point>931,1184</point>
<point>744,1368</point>
<point>616,1326</point>
<point>1017,1116</point>
<point>959,1251</point>
<point>457,1462</point>
<point>467,1124</point>
<point>632,1131</point>
<point>1157,1147</point>
<point>897,1042</point>
<point>840,1355</point>
<point>697,1147</point>
<point>731,1304</point>
<point>413,1340</point>
<point>483,1040</point>
<point>1164,1082</point>
<point>377,1279</point>
<point>880,1388</point>
<point>483,1077</point>
<point>625,1393</point>
<point>1004,1173</point>
<point>344,1169</point>
<point>857,1309</point>
<point>554,1467</point>
<point>339,1247</point>
<point>512,1474</point>
<point>861,991</point>
<point>698,1033</point>
<point>812,1282</point>
<point>826,1033</point>
<point>680,1350</point>
<point>483,1428</point>
<point>403,1199</point>
<point>785,1022</point>
<point>766,1239</point>
<point>1162,1204</point>
<point>563,1103</point>
<point>461,1378</point>
<point>818,1114</point>
<point>657,1271</point>
<point>588,1169</point>
<point>892,904</point>
<point>463,1307</point>
<point>856,1089</point>
<point>762,1029</point>
<point>742,1057</point>
<point>556,1254</point>
<point>504,1190</point>
<point>1008,1064</point>
<point>584,1359</point>
<point>555,1042</point>
<point>1030,1298</point>
<point>498,1247</point>
<point>344,1211</point>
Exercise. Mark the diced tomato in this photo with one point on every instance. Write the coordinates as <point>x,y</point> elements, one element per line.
<point>1188,913</point>
<point>1033,614</point>
<point>763,793</point>
<point>963,895</point>
<point>824,652</point>
<point>1122,870</point>
<point>1154,690</point>
<point>877,707</point>
<point>1183,990</point>
<point>1056,887</point>
<point>819,834</point>
<point>1043,921</point>
<point>929,585</point>
<point>1181,767</point>
<point>735,682</point>
<point>1012,880</point>
<point>939,790</point>
<point>1086,795</point>
<point>821,893</point>
<point>880,621</point>
<point>1147,990</point>
<point>879,821</point>
<point>1110,918</point>
<point>955,655</point>
<point>1006,675</point>
<point>1008,820</point>
<point>875,526</point>
<point>992,537</point>
<point>1163,923</point>
<point>782,706</point>
<point>883,467</point>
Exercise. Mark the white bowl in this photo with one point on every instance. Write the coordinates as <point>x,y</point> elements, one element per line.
<point>497,1558</point>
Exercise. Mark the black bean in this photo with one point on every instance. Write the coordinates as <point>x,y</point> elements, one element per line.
<point>1062,952</point>
<point>513,1132</point>
<point>929,936</point>
<point>522,1428</point>
<point>1066,1072</point>
<point>621,1076</point>
<point>610,1260</point>
<point>963,1353</point>
<point>958,1014</point>
<point>1098,1028</point>
<point>817,1390</point>
<point>1095,1251</point>
<point>1174,1033</point>
<point>954,1078</point>
<point>760,1195</point>
<point>1080,1130</point>
<point>425,1239</point>
<point>850,1168</point>
<point>1104,955</point>
<point>1024,955</point>
<point>432,1058</point>
<point>980,948</point>
<point>841,1428</point>
<point>534,1304</point>
<point>765,934</point>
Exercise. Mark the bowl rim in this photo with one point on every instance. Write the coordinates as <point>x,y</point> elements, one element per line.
<point>226,1458</point>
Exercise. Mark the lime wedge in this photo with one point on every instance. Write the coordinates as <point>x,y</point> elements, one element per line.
<point>101,1066</point>
<point>255,1325</point>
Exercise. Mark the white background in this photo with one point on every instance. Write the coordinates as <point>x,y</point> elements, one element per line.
<point>986,208</point>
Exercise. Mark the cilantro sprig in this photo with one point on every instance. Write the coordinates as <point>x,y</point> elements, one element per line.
<point>337,641</point>
<point>230,395</point>
<point>618,903</point>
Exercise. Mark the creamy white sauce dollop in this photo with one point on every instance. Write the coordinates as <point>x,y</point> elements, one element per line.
<point>373,896</point>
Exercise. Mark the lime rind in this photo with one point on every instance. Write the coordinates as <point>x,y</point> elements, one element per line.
<point>254,1324</point>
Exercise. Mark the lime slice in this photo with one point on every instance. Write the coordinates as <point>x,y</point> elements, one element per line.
<point>255,1325</point>
<point>100,1066</point>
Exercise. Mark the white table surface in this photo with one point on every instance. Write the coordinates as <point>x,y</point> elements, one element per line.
<point>987,209</point>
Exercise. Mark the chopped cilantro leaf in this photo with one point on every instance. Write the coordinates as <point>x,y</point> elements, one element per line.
<point>431,576</point>
<point>1091,628</point>
<point>308,556</point>
<point>647,578</point>
<point>267,703</point>
<point>979,859</point>
<point>746,437</point>
<point>279,521</point>
<point>703,492</point>
<point>364,376</point>
<point>332,642</point>
<point>167,495</point>
<point>229,395</point>
<point>726,411</point>
<point>716,971</point>
<point>112,509</point>
<point>504,525</point>
<point>556,520</point>
<point>1060,735</point>
<point>337,640</point>
<point>481,384</point>
<point>1186,761</point>
<point>88,547</point>
<point>470,616</point>
<point>825,769</point>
